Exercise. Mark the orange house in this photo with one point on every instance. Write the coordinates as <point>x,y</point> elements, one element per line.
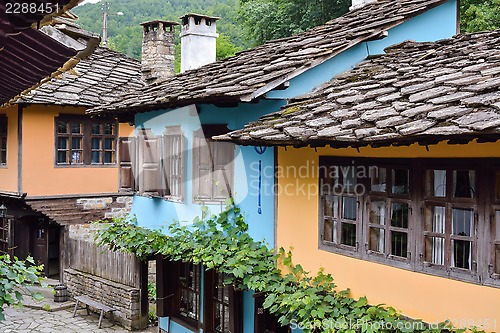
<point>58,166</point>
<point>389,178</point>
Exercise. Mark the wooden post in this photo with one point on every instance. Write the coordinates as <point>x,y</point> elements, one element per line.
<point>143,276</point>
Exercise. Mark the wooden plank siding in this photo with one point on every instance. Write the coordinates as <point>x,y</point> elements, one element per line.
<point>97,260</point>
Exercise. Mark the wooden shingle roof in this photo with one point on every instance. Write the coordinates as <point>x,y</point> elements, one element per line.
<point>250,74</point>
<point>416,92</point>
<point>98,79</point>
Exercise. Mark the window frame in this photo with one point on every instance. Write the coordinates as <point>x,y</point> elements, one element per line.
<point>86,141</point>
<point>4,126</point>
<point>173,133</point>
<point>482,244</point>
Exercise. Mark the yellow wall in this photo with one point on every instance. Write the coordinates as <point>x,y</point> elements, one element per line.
<point>40,176</point>
<point>416,295</point>
<point>8,175</point>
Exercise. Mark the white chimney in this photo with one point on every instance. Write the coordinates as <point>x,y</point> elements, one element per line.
<point>198,37</point>
<point>158,50</point>
<point>360,3</point>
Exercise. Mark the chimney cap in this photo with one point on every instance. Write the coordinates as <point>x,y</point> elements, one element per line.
<point>213,18</point>
<point>167,23</point>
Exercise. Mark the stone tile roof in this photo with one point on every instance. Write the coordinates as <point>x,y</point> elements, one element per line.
<point>98,79</point>
<point>416,92</point>
<point>252,73</point>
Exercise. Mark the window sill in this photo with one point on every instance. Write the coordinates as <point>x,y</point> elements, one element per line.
<point>185,322</point>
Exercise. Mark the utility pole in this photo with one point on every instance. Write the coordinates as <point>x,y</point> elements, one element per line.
<point>105,14</point>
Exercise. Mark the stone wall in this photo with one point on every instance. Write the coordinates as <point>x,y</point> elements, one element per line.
<point>125,299</point>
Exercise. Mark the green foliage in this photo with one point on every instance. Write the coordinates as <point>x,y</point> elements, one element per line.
<point>14,275</point>
<point>152,290</point>
<point>270,19</point>
<point>296,296</point>
<point>479,15</point>
<point>125,33</point>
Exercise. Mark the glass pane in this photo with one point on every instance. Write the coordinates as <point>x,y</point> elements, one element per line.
<point>62,127</point>
<point>109,129</point>
<point>349,178</point>
<point>329,178</point>
<point>62,157</point>
<point>463,183</point>
<point>4,143</point>
<point>76,143</point>
<point>62,143</point>
<point>348,234</point>
<point>378,179</point>
<point>400,181</point>
<point>331,203</point>
<point>96,129</point>
<point>96,144</point>
<point>76,128</point>
<point>330,231</point>
<point>435,219</point>
<point>108,144</point>
<point>349,208</point>
<point>434,250</point>
<point>3,156</point>
<point>96,157</point>
<point>109,157</point>
<point>377,212</point>
<point>76,157</point>
<point>399,216</point>
<point>461,254</point>
<point>436,183</point>
<point>462,222</point>
<point>497,186</point>
<point>377,240</point>
<point>399,244</point>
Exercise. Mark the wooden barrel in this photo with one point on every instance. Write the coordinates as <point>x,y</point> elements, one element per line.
<point>60,293</point>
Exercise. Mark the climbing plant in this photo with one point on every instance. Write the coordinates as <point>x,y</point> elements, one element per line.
<point>297,297</point>
<point>16,275</point>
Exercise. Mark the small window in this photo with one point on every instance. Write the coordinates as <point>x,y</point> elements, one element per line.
<point>84,141</point>
<point>3,140</point>
<point>340,205</point>
<point>189,291</point>
<point>223,304</point>
<point>173,163</point>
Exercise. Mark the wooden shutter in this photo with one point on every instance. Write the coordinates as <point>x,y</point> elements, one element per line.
<point>223,169</point>
<point>149,164</point>
<point>126,163</point>
<point>202,169</point>
<point>173,162</point>
<point>167,276</point>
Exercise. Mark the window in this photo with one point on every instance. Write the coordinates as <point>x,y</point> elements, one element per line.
<point>5,235</point>
<point>3,139</point>
<point>179,296</point>
<point>340,206</point>
<point>223,312</point>
<point>173,163</point>
<point>212,166</point>
<point>84,141</point>
<point>449,226</point>
<point>429,215</point>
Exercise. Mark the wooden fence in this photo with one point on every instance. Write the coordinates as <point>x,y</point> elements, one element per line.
<point>119,267</point>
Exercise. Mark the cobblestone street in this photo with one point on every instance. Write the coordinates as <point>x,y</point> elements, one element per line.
<point>32,320</point>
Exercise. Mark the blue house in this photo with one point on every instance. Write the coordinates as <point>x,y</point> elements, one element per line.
<point>174,167</point>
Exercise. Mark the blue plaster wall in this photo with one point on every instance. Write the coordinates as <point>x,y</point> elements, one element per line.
<point>437,23</point>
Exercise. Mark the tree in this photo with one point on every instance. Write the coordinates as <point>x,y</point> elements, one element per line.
<point>270,19</point>
<point>479,15</point>
<point>15,275</point>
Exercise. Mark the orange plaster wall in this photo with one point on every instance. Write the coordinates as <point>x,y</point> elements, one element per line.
<point>8,174</point>
<point>40,176</point>
<point>414,294</point>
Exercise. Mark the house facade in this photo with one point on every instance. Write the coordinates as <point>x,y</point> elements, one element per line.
<point>399,161</point>
<point>174,166</point>
<point>59,166</point>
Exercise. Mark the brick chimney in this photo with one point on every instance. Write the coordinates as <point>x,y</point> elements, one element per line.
<point>198,37</point>
<point>158,50</point>
<point>360,3</point>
